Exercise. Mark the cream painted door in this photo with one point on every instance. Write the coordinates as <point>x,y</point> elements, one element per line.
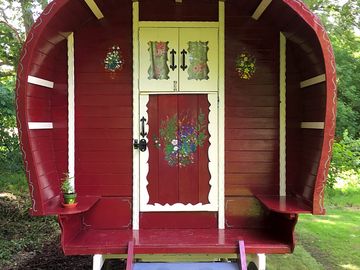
<point>158,59</point>
<point>199,51</point>
<point>178,59</point>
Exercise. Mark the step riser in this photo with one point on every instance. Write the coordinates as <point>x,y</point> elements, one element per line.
<point>185,266</point>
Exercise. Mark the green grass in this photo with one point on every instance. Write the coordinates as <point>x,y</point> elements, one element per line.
<point>335,238</point>
<point>299,260</point>
<point>327,242</point>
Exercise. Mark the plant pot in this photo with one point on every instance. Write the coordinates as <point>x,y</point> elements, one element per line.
<point>69,198</point>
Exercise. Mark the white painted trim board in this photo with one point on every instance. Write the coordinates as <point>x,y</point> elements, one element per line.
<point>40,82</point>
<point>282,139</point>
<point>71,108</point>
<point>261,9</point>
<point>95,9</point>
<point>40,125</point>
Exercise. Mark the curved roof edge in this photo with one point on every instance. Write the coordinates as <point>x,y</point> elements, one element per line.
<point>331,94</point>
<point>20,101</point>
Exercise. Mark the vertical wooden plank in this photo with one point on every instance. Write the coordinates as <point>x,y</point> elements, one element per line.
<point>282,138</point>
<point>154,157</point>
<point>136,158</point>
<point>204,172</point>
<point>168,175</point>
<point>71,108</point>
<point>221,118</point>
<point>188,175</point>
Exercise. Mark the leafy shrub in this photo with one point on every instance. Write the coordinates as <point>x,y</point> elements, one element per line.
<point>10,157</point>
<point>346,157</point>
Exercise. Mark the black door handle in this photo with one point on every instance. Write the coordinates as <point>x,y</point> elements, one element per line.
<point>183,66</point>
<point>143,133</point>
<point>173,66</point>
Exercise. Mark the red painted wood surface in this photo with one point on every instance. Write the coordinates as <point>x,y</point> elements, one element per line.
<point>285,204</point>
<point>168,10</point>
<point>182,220</point>
<point>103,112</point>
<point>55,207</point>
<point>251,117</point>
<point>203,241</point>
<point>181,179</point>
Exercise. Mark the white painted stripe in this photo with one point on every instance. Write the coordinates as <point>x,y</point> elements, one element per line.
<point>41,82</point>
<point>261,8</point>
<point>313,125</point>
<point>71,108</point>
<point>136,122</point>
<point>221,121</point>
<point>312,81</point>
<point>282,150</point>
<point>40,125</point>
<point>95,9</point>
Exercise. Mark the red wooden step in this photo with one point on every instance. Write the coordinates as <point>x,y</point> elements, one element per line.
<point>196,241</point>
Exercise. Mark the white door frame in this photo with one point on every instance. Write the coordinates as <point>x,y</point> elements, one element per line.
<point>220,115</point>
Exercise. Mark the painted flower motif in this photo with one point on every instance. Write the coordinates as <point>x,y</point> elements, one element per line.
<point>245,65</point>
<point>158,68</point>
<point>160,48</point>
<point>198,58</point>
<point>181,137</point>
<point>113,60</point>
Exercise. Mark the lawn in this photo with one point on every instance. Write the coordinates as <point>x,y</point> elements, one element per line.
<point>327,242</point>
<point>324,242</point>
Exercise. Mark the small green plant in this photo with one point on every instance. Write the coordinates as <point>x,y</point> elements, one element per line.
<point>68,190</point>
<point>66,185</point>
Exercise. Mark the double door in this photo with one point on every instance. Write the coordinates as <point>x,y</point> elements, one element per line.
<point>178,59</point>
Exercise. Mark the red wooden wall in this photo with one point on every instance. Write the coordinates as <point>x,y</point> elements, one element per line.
<point>103,116</point>
<point>251,117</point>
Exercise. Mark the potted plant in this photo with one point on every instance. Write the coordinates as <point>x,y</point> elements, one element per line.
<point>68,191</point>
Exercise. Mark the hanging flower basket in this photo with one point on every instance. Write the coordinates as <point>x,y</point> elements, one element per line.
<point>245,65</point>
<point>113,61</point>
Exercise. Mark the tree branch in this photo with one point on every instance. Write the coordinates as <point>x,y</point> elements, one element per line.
<point>13,29</point>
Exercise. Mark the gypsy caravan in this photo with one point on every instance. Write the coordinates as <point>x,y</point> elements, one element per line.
<point>189,128</point>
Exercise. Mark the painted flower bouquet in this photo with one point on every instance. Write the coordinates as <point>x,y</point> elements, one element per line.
<point>245,65</point>
<point>181,137</point>
<point>113,60</point>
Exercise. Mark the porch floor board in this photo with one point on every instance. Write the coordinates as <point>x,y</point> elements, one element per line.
<point>171,241</point>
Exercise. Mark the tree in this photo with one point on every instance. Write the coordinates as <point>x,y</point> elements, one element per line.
<point>16,19</point>
<point>342,21</point>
